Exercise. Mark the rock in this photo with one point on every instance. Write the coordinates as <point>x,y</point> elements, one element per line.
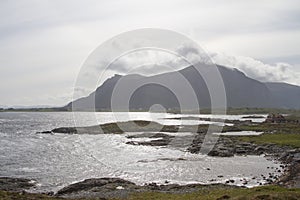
<point>120,188</point>
<point>115,188</point>
<point>194,149</point>
<point>161,135</point>
<point>275,118</point>
<point>296,157</point>
<point>153,186</point>
<point>260,149</point>
<point>51,193</point>
<point>221,153</point>
<point>132,143</point>
<point>162,142</point>
<point>89,184</point>
<point>253,117</point>
<point>241,151</point>
<point>224,197</point>
<point>69,130</point>
<point>45,132</point>
<point>15,184</point>
<point>263,197</point>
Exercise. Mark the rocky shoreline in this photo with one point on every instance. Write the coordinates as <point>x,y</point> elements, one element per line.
<point>15,184</point>
<point>116,188</point>
<point>226,146</point>
<point>291,177</point>
<point>119,188</point>
<point>105,188</point>
<point>108,188</point>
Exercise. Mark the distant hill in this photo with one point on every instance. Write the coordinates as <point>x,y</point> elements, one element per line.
<point>285,95</point>
<point>241,91</point>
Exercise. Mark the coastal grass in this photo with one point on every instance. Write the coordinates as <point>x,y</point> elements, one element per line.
<point>5,195</point>
<point>281,139</point>
<point>264,192</point>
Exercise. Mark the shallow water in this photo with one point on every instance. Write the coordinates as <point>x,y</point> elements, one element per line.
<point>55,161</point>
<point>240,133</point>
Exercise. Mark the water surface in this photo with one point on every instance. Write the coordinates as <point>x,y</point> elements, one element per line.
<point>55,161</point>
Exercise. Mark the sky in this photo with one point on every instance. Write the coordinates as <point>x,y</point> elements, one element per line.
<point>44,43</point>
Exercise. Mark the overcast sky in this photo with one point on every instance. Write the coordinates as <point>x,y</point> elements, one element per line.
<point>44,43</point>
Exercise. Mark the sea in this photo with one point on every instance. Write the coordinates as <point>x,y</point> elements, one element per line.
<point>54,161</point>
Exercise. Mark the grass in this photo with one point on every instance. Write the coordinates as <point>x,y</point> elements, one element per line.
<point>247,111</point>
<point>264,192</point>
<point>281,139</point>
<point>4,195</point>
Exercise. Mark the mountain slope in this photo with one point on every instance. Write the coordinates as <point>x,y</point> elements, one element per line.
<point>285,95</point>
<point>170,89</point>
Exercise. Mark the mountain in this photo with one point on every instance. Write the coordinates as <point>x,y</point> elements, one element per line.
<point>285,95</point>
<point>175,90</point>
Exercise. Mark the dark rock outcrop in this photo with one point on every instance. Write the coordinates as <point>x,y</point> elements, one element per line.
<point>117,128</point>
<point>89,184</point>
<point>228,146</point>
<point>275,118</point>
<point>291,178</point>
<point>107,188</point>
<point>15,184</point>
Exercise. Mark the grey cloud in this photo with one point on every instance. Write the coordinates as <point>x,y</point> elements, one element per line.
<point>278,72</point>
<point>45,42</point>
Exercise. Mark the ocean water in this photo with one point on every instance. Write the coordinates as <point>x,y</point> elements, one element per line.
<point>240,133</point>
<point>55,161</point>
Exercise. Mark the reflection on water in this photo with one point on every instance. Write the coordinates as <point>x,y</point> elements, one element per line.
<point>58,160</point>
<point>240,133</point>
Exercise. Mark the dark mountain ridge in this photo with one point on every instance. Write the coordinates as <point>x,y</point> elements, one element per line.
<point>136,92</point>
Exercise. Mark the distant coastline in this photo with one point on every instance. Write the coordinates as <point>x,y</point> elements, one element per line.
<point>229,111</point>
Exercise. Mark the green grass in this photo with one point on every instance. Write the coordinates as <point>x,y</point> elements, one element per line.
<point>246,111</point>
<point>4,195</point>
<point>265,192</point>
<point>134,126</point>
<point>281,139</point>
<point>249,111</point>
<point>294,116</point>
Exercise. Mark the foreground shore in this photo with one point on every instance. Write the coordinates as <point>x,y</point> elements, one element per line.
<point>113,188</point>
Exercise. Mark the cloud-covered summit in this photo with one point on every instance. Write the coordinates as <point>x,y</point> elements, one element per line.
<point>151,62</point>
